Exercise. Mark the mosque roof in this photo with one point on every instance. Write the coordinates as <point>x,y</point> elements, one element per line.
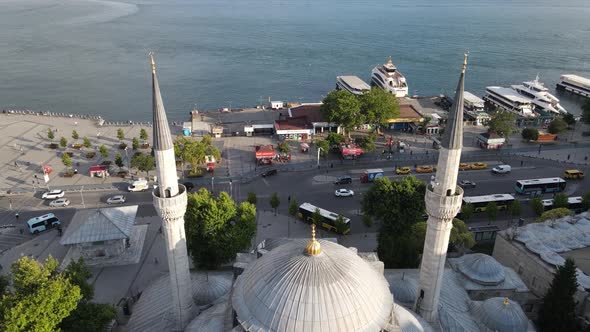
<point>482,269</point>
<point>501,314</point>
<point>104,224</point>
<point>325,287</point>
<point>404,290</point>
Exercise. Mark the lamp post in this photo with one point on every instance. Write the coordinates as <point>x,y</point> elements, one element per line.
<point>319,149</point>
<point>82,196</point>
<point>230,189</point>
<point>127,157</point>
<point>212,179</point>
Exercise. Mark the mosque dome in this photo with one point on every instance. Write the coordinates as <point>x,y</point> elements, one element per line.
<point>319,287</point>
<point>482,269</point>
<point>502,315</point>
<point>403,288</point>
<point>210,287</point>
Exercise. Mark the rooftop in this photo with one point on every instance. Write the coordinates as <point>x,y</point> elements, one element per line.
<point>92,225</point>
<point>295,123</point>
<point>470,97</point>
<point>311,111</point>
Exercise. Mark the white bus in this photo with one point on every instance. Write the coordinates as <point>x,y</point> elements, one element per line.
<point>545,185</point>
<point>329,218</point>
<point>42,223</point>
<point>480,203</point>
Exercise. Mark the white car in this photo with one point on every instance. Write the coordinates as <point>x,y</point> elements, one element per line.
<point>60,202</point>
<point>344,193</point>
<point>119,199</point>
<point>502,169</point>
<point>53,194</point>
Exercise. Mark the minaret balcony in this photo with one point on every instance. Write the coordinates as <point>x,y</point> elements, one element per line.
<point>170,208</point>
<point>443,207</point>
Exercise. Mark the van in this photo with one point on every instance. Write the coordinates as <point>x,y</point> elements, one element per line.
<point>502,169</point>
<point>42,223</point>
<point>343,180</point>
<point>139,185</point>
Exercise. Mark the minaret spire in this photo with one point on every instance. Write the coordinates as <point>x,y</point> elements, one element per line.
<point>443,201</point>
<point>170,202</point>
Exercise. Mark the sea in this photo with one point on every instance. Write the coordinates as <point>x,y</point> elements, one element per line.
<point>91,56</point>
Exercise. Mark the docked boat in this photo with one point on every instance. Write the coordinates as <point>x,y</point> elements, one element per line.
<point>352,84</point>
<point>509,100</point>
<point>539,95</point>
<point>390,79</point>
<point>575,84</point>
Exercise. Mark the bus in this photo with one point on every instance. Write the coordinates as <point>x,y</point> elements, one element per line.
<point>42,223</point>
<point>328,218</point>
<point>479,203</point>
<point>573,203</point>
<point>546,185</point>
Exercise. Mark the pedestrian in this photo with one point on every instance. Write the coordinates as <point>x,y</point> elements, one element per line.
<point>16,215</point>
<point>289,199</point>
<point>521,162</point>
<point>35,176</point>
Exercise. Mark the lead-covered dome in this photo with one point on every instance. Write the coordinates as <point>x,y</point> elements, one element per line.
<point>290,290</point>
<point>482,269</point>
<point>502,315</point>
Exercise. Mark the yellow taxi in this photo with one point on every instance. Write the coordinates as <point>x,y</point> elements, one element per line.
<point>403,170</point>
<point>573,174</point>
<point>424,169</point>
<point>479,166</point>
<point>464,166</point>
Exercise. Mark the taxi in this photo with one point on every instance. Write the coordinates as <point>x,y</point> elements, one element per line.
<point>464,166</point>
<point>403,170</point>
<point>424,169</point>
<point>573,174</point>
<point>479,166</point>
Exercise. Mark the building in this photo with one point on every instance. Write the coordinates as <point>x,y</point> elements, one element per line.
<point>277,105</point>
<point>294,129</point>
<point>352,84</point>
<point>409,117</point>
<point>314,117</point>
<point>490,141</point>
<point>473,109</point>
<point>100,171</point>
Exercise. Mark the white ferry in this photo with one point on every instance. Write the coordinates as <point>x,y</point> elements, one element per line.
<point>510,100</point>
<point>540,96</point>
<point>575,84</point>
<point>390,79</point>
<point>352,84</point>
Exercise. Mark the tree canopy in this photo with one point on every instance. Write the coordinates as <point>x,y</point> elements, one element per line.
<point>343,108</point>
<point>324,145</point>
<point>120,134</point>
<point>119,160</point>
<point>63,142</point>
<point>558,310</point>
<point>274,201</point>
<point>194,152</point>
<point>143,135</point>
<point>503,123</point>
<point>143,162</point>
<point>569,119</point>
<point>554,214</point>
<point>135,143</point>
<point>558,125</point>
<point>50,134</point>
<point>104,152</point>
<point>378,106</point>
<point>66,160</point>
<point>537,205</point>
<point>217,228</point>
<point>530,134</point>
<point>560,201</point>
<point>86,142</point>
<point>75,135</point>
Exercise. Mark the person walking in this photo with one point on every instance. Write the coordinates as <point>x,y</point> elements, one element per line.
<point>16,216</point>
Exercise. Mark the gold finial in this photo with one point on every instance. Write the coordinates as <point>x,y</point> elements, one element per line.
<point>153,62</point>
<point>390,62</point>
<point>466,55</point>
<point>506,301</point>
<point>313,247</point>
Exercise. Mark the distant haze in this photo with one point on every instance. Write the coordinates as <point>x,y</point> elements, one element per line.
<point>91,57</point>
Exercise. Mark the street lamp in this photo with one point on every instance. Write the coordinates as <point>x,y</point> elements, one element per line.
<point>127,157</point>
<point>319,149</point>
<point>212,178</point>
<point>81,195</point>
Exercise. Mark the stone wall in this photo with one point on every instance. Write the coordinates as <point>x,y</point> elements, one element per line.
<point>96,251</point>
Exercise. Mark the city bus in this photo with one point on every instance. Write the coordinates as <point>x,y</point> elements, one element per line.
<point>546,185</point>
<point>573,203</point>
<point>42,223</point>
<point>328,218</point>
<point>479,203</point>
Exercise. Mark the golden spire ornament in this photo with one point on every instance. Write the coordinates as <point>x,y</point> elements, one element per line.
<point>153,62</point>
<point>313,247</point>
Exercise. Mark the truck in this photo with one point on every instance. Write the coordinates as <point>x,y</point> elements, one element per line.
<point>139,185</point>
<point>371,174</point>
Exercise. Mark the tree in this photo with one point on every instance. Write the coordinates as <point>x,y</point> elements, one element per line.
<point>557,126</point>
<point>340,224</point>
<point>586,112</point>
<point>467,211</point>
<point>367,143</point>
<point>143,135</point>
<point>530,134</point>
<point>63,142</point>
<point>554,214</point>
<point>503,123</point>
<point>537,205</point>
<point>461,236</point>
<point>192,152</point>
<point>66,160</point>
<point>316,217</point>
<point>284,147</point>
<point>4,283</point>
<point>120,134</point>
<point>569,119</point>
<point>586,201</point>
<point>275,202</point>
<point>135,143</point>
<point>492,210</point>
<point>40,297</point>
<point>560,201</point>
<point>50,134</point>
<point>335,139</point>
<point>324,146</point>
<point>558,309</point>
<point>252,198</point>
<point>515,208</point>
<point>217,228</point>
<point>75,135</point>
<point>86,142</point>
<point>143,162</point>
<point>343,108</point>
<point>378,106</point>
<point>104,152</point>
<point>119,160</point>
<point>293,207</point>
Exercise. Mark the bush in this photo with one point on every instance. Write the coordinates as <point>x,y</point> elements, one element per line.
<point>537,205</point>
<point>530,134</point>
<point>122,146</point>
<point>557,126</point>
<point>554,214</point>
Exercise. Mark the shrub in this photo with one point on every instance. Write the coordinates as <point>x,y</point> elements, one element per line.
<point>530,134</point>
<point>554,214</point>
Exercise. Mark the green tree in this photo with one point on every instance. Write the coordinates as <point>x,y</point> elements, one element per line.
<point>340,224</point>
<point>50,134</point>
<point>557,126</point>
<point>586,112</point>
<point>335,139</point>
<point>78,274</point>
<point>560,201</point>
<point>207,140</point>
<point>530,134</point>
<point>143,135</point>
<point>119,160</point>
<point>324,146</point>
<point>217,228</point>
<point>135,143</point>
<point>503,123</point>
<point>40,297</point>
<point>104,152</point>
<point>75,135</point>
<point>4,283</point>
<point>515,209</point>
<point>367,143</point>
<point>558,310</point>
<point>293,207</point>
<point>343,108</point>
<point>586,201</point>
<point>143,162</point>
<point>275,202</point>
<point>492,210</point>
<point>378,106</point>
<point>86,142</point>
<point>461,236</point>
<point>193,152</point>
<point>316,217</point>
<point>537,206</point>
<point>467,211</point>
<point>252,199</point>
<point>554,214</point>
<point>120,134</point>
<point>63,142</point>
<point>284,147</point>
<point>66,160</point>
<point>569,119</point>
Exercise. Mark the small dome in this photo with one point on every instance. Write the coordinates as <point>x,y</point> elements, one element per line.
<point>210,287</point>
<point>403,288</point>
<point>482,269</point>
<point>410,322</point>
<point>290,290</point>
<point>502,315</point>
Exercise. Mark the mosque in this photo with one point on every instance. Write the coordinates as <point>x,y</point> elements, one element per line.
<point>319,285</point>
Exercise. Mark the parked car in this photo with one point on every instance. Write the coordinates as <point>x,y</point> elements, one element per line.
<point>466,184</point>
<point>479,166</point>
<point>464,166</point>
<point>118,199</point>
<point>403,170</point>
<point>424,169</point>
<point>188,185</point>
<point>270,172</point>
<point>59,202</point>
<point>343,180</point>
<point>502,169</point>
<point>53,194</point>
<point>344,193</point>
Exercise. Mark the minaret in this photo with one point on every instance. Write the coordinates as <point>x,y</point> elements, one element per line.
<point>170,202</point>
<point>443,201</point>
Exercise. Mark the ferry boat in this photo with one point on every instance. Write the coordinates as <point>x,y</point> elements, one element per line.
<point>509,100</point>
<point>352,84</point>
<point>390,79</point>
<point>575,84</point>
<point>540,96</point>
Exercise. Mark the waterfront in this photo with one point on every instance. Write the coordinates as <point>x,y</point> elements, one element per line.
<point>90,57</point>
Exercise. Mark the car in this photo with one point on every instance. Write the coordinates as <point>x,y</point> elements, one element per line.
<point>59,202</point>
<point>424,169</point>
<point>344,193</point>
<point>53,194</point>
<point>270,172</point>
<point>343,180</point>
<point>118,199</point>
<point>573,174</point>
<point>188,185</point>
<point>464,166</point>
<point>466,184</point>
<point>403,170</point>
<point>502,169</point>
<point>479,166</point>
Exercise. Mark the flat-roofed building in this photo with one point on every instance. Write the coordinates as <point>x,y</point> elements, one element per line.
<point>352,84</point>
